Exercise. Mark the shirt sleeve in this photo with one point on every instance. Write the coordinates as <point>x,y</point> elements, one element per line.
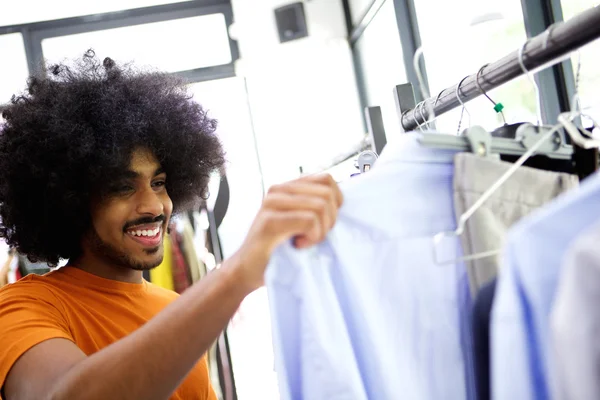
<point>575,323</point>
<point>511,372</point>
<point>29,315</point>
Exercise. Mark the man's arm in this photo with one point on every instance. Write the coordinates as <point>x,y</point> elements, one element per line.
<point>153,361</point>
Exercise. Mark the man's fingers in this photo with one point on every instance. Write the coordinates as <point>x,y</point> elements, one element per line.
<point>318,185</point>
<point>325,209</point>
<point>282,225</point>
<point>327,180</point>
<point>305,209</point>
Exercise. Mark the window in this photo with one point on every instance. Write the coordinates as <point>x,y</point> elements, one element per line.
<point>171,46</point>
<point>381,65</point>
<point>13,68</point>
<point>460,37</point>
<point>589,75</point>
<point>22,12</point>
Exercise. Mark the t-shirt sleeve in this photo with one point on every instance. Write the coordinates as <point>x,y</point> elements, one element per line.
<point>29,315</point>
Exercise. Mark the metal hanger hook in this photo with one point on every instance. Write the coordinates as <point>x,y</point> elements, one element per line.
<point>438,98</point>
<point>548,35</point>
<point>576,101</point>
<point>425,121</point>
<point>464,108</point>
<point>530,78</point>
<point>415,117</point>
<point>485,94</point>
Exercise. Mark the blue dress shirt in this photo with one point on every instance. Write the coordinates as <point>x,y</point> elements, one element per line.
<point>367,314</point>
<point>535,247</point>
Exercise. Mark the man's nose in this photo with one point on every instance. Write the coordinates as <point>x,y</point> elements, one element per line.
<point>149,203</point>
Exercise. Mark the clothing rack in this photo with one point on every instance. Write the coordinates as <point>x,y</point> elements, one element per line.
<point>540,52</point>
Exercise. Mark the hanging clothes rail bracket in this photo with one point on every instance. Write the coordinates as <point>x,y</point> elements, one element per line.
<point>375,128</point>
<point>404,96</point>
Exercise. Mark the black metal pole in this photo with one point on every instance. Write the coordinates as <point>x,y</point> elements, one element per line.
<point>543,50</point>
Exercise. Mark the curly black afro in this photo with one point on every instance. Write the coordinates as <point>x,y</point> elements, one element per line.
<point>76,126</point>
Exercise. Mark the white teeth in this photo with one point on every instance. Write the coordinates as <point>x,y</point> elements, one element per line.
<point>149,233</point>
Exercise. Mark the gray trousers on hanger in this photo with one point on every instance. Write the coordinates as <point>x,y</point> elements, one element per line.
<point>525,191</point>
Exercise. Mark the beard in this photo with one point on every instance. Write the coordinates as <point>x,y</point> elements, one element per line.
<point>120,258</point>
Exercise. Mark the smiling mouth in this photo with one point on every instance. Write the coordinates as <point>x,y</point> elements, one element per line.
<point>146,237</point>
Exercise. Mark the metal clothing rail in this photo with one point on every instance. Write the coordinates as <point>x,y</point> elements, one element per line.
<point>540,52</point>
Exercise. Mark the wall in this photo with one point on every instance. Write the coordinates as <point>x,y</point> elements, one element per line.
<point>302,94</point>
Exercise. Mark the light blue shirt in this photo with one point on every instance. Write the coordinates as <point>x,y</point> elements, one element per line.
<point>520,329</point>
<point>367,314</point>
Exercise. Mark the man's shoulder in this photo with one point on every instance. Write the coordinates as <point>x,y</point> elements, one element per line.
<point>160,292</point>
<point>32,285</point>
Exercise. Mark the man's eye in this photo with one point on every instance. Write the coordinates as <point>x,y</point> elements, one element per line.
<point>159,184</point>
<point>122,189</point>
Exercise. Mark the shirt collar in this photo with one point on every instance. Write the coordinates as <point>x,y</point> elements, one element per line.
<point>406,148</point>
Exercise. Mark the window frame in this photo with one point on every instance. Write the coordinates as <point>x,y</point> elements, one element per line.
<point>35,33</point>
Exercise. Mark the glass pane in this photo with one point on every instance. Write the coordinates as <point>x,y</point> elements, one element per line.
<point>589,75</point>
<point>458,39</point>
<point>13,69</point>
<point>358,8</point>
<point>163,45</point>
<point>21,12</point>
<point>382,66</point>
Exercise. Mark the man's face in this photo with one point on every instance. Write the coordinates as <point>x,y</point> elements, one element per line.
<point>130,222</point>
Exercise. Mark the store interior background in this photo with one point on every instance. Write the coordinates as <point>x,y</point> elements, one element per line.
<point>296,106</point>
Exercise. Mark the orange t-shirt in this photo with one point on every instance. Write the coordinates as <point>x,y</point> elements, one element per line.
<point>92,312</point>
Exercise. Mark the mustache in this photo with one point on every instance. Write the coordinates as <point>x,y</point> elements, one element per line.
<point>144,220</point>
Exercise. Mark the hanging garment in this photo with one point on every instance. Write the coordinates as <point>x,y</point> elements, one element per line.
<point>526,289</point>
<point>575,322</point>
<point>526,190</point>
<point>163,274</point>
<point>367,314</point>
<point>482,310</point>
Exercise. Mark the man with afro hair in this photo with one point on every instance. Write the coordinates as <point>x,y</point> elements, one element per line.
<point>94,160</point>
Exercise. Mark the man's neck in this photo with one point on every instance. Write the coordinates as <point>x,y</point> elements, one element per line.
<point>107,271</point>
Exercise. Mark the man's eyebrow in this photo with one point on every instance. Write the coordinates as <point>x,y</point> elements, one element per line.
<point>128,174</point>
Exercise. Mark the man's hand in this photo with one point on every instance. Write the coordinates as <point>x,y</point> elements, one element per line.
<point>305,210</point>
